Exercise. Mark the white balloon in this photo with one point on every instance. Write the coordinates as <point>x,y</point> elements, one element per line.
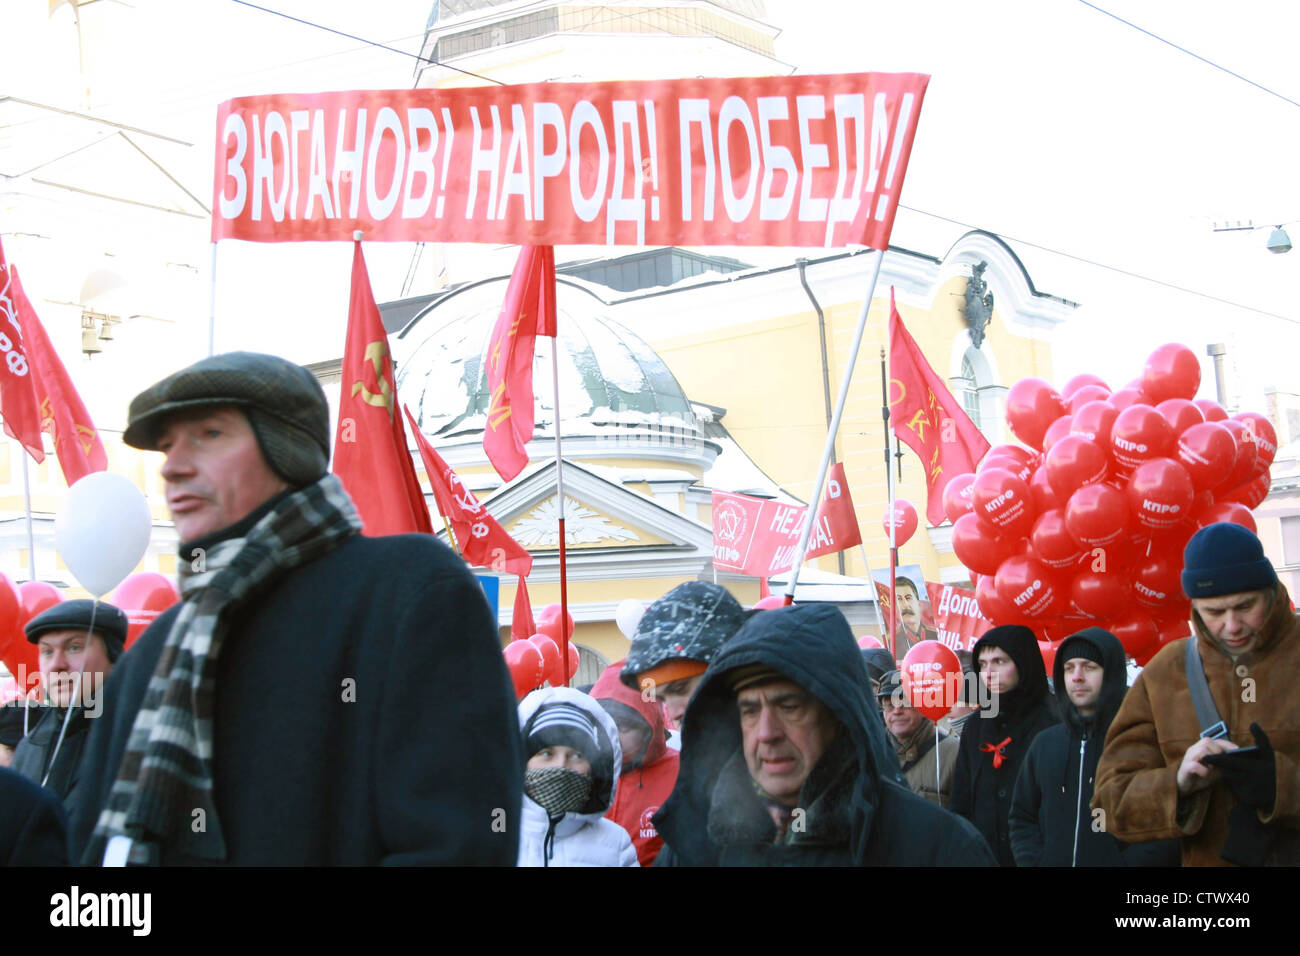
<point>102,531</point>
<point>628,616</point>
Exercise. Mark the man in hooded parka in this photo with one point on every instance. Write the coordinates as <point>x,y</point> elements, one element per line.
<point>847,811</point>
<point>995,741</point>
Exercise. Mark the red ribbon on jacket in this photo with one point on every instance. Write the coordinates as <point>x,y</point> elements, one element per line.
<point>996,750</point>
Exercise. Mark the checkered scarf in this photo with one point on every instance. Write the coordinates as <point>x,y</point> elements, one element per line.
<point>165,777</point>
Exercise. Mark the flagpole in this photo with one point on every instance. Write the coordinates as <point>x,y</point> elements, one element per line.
<point>450,537</point>
<point>831,431</point>
<point>880,618</point>
<point>31,536</point>
<point>893,530</point>
<point>212,304</point>
<point>559,483</point>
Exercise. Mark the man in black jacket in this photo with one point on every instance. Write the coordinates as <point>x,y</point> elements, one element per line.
<point>78,643</point>
<point>1051,823</point>
<point>994,742</point>
<point>781,761</point>
<point>33,829</point>
<point>318,697</point>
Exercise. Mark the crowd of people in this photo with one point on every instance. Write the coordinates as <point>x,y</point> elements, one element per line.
<point>322,697</point>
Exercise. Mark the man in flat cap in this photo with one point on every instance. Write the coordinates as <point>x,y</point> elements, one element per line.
<point>77,644</point>
<point>318,697</point>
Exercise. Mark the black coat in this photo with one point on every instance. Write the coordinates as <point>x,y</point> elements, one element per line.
<point>32,756</point>
<point>1051,820</point>
<point>33,828</point>
<point>980,792</point>
<point>364,715</point>
<point>855,813</point>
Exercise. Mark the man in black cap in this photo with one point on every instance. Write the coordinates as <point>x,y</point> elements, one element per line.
<point>784,762</point>
<point>78,643</point>
<point>1221,776</point>
<point>318,697</point>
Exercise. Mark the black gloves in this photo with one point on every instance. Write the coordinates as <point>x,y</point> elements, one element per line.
<point>1249,841</point>
<point>1252,778</point>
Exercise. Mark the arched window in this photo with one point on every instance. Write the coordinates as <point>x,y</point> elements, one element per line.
<point>970,398</point>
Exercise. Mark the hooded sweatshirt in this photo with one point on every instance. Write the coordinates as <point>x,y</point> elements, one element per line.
<point>1051,818</point>
<point>853,813</point>
<point>648,777</point>
<point>995,741</point>
<point>577,838</point>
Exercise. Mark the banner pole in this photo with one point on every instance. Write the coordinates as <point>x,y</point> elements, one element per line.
<point>450,537</point>
<point>31,536</point>
<point>937,772</point>
<point>880,618</point>
<point>893,536</point>
<point>831,431</point>
<point>212,304</point>
<point>559,482</point>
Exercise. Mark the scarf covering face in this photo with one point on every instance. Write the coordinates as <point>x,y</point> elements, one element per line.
<point>557,790</point>
<point>166,771</point>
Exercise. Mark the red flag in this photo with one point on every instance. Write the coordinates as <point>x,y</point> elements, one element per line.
<point>836,526</point>
<point>63,414</point>
<point>529,311</point>
<point>19,404</point>
<point>927,418</point>
<point>370,450</point>
<point>482,541</point>
<point>522,625</point>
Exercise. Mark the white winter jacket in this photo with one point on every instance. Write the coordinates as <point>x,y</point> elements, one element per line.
<point>581,839</point>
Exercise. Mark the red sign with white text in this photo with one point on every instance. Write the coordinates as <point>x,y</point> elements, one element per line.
<point>772,161</point>
<point>957,615</point>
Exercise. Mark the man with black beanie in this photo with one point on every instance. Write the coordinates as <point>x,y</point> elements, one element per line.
<point>994,742</point>
<point>78,643</point>
<point>1221,775</point>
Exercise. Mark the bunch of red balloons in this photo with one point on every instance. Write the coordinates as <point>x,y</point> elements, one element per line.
<point>537,660</point>
<point>1088,523</point>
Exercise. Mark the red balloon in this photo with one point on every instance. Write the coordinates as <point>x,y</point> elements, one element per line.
<point>1171,371</point>
<point>1056,431</point>
<point>1180,414</point>
<point>1014,465</point>
<point>1101,595</point>
<point>1086,394</point>
<point>550,652</point>
<point>956,496</point>
<point>524,661</point>
<point>1030,587</point>
<point>548,622</point>
<point>36,597</point>
<point>1032,405</point>
<point>1251,494</point>
<point>1137,633</point>
<point>1243,468</point>
<point>1095,420</point>
<point>1073,462</point>
<point>904,521</point>
<point>1080,381</point>
<point>1045,498</point>
<point>1126,398</point>
<point>1160,494</point>
<point>1211,409</point>
<point>1048,650</point>
<point>574,660</point>
<point>870,642</point>
<point>976,548</point>
<point>1053,544</point>
<point>11,606</point>
<point>1021,454</point>
<point>1157,583</point>
<point>143,596</point>
<point>1208,452</point>
<point>931,678</point>
<point>1227,511</point>
<point>1265,437</point>
<point>1140,433</point>
<point>1097,516</point>
<point>991,604</point>
<point>772,602</point>
<point>1003,500</point>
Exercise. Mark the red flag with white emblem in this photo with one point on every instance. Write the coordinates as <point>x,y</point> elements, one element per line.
<point>19,404</point>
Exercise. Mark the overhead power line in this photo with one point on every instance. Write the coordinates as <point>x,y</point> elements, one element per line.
<point>1182,49</point>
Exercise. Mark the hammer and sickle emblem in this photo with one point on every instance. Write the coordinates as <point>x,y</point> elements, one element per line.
<point>377,353</point>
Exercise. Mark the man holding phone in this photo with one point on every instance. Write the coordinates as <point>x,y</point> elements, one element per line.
<point>1224,780</point>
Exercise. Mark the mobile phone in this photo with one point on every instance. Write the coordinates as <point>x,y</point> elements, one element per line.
<point>1231,759</point>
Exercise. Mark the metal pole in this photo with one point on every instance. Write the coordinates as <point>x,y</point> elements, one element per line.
<point>559,482</point>
<point>880,618</point>
<point>893,535</point>
<point>31,536</point>
<point>212,305</point>
<point>816,496</point>
<point>937,772</point>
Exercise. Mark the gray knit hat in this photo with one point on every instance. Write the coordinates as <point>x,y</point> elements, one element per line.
<point>284,403</point>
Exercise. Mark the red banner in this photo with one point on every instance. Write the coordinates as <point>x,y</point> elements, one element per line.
<point>927,418</point>
<point>759,537</point>
<point>957,615</point>
<point>19,403</point>
<point>769,161</point>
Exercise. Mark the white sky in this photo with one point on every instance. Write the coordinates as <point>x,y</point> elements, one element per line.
<point>1045,121</point>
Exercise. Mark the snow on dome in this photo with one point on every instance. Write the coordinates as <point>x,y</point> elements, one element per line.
<point>609,377</point>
